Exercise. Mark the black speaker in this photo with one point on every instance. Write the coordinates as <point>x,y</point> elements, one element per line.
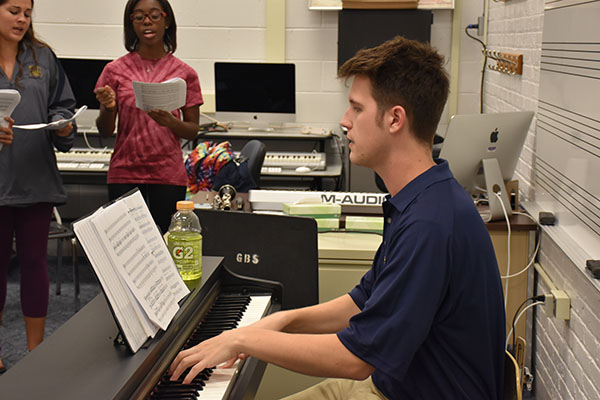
<point>361,29</point>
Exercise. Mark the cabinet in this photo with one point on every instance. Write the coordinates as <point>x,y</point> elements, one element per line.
<point>521,240</point>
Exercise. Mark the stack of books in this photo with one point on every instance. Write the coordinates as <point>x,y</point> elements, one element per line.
<point>327,215</point>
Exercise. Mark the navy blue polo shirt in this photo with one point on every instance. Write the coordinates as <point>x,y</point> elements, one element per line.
<point>432,310</point>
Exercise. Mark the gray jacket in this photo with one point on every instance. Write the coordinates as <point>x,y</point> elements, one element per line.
<point>28,171</point>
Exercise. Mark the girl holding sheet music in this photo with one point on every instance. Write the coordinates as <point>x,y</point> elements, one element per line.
<point>147,152</point>
<point>30,184</point>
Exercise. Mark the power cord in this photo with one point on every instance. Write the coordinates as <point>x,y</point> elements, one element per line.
<point>518,313</point>
<point>533,256</point>
<point>213,126</point>
<point>535,251</point>
<point>476,26</point>
<point>507,246</point>
<point>89,145</point>
<point>218,123</point>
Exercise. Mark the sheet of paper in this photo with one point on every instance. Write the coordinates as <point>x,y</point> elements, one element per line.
<point>132,319</point>
<point>168,95</point>
<point>156,243</point>
<point>9,98</point>
<point>52,125</point>
<point>135,263</point>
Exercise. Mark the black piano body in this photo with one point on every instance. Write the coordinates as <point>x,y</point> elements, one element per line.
<point>81,361</point>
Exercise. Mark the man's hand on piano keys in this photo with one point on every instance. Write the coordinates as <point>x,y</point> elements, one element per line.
<point>214,351</point>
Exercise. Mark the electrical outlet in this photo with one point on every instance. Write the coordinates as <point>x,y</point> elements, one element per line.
<point>549,304</point>
<point>562,304</point>
<point>480,22</point>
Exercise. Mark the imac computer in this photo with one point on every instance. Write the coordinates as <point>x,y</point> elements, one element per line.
<point>482,151</point>
<point>83,75</point>
<point>255,94</point>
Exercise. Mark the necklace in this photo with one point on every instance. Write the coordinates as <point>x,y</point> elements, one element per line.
<point>149,64</point>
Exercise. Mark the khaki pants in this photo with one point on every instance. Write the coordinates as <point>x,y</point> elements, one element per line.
<point>340,389</point>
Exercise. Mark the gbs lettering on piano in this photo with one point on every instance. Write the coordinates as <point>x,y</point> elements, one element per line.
<point>244,258</point>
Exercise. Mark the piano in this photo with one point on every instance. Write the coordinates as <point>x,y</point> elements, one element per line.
<point>78,159</point>
<point>81,161</point>
<point>82,361</point>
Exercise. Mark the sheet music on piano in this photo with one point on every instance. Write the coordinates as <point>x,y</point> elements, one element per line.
<point>132,263</point>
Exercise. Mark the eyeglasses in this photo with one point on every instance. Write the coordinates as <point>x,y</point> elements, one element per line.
<point>154,15</point>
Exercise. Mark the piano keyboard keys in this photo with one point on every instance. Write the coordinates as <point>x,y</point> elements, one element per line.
<point>98,160</point>
<point>228,312</point>
<point>255,310</point>
<point>271,170</point>
<point>84,160</point>
<point>292,160</point>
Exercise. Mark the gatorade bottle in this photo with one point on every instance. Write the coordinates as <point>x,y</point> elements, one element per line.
<point>185,241</point>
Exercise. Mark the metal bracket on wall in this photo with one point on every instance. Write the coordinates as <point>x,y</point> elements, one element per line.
<point>506,63</point>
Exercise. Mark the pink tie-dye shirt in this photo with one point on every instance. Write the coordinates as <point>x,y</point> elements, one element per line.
<point>144,151</point>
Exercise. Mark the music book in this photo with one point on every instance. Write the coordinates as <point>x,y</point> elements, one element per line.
<point>136,272</point>
<point>168,95</point>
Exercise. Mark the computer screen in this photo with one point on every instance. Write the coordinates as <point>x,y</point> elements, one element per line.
<point>472,138</point>
<point>255,93</point>
<point>83,75</point>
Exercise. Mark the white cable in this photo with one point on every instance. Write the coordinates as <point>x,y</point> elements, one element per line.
<point>87,142</point>
<point>537,303</point>
<point>535,251</point>
<point>533,256</point>
<point>209,117</point>
<point>57,216</point>
<point>507,247</point>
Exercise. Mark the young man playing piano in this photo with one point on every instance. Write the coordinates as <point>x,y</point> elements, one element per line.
<point>427,320</point>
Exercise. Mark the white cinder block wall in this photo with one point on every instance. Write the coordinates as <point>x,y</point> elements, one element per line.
<point>209,31</point>
<point>221,30</point>
<point>516,27</point>
<point>311,44</point>
<point>566,353</point>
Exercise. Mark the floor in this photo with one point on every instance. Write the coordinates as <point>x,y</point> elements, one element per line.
<point>60,308</point>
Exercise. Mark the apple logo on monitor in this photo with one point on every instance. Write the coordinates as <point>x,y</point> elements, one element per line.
<point>494,136</point>
<point>493,139</point>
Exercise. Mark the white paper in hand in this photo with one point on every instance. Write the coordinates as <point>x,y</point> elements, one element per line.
<point>61,123</point>
<point>9,98</point>
<point>168,95</point>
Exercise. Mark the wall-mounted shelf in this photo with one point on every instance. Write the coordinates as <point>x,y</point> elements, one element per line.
<point>336,5</point>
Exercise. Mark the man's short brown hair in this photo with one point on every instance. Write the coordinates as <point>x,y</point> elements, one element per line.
<point>407,73</point>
